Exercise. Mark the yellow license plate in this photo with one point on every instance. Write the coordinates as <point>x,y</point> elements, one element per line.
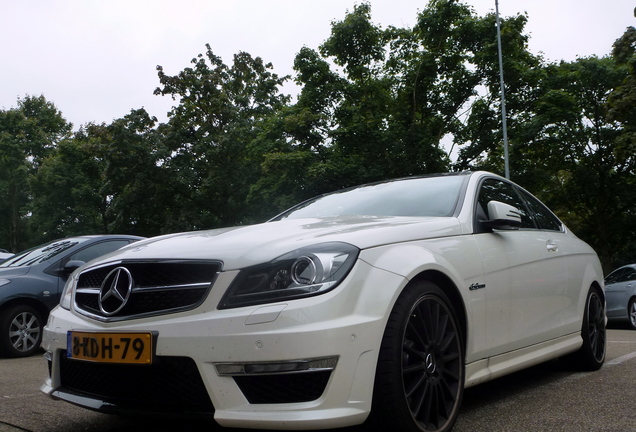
<point>128,348</point>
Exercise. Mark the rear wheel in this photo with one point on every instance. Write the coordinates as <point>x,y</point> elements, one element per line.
<point>591,355</point>
<point>20,331</point>
<point>631,313</point>
<point>420,375</point>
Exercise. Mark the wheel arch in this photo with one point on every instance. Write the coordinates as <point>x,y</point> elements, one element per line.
<point>37,305</point>
<point>452,292</point>
<point>601,291</point>
<point>628,311</point>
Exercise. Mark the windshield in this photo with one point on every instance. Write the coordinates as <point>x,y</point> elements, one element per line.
<point>41,253</point>
<point>424,196</point>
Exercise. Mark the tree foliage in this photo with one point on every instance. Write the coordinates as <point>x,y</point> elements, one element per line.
<point>373,103</point>
<point>222,112</point>
<point>28,135</point>
<point>572,153</point>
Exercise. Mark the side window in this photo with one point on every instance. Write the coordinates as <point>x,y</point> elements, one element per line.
<point>545,218</point>
<point>630,275</point>
<point>615,276</point>
<point>497,190</point>
<point>98,249</point>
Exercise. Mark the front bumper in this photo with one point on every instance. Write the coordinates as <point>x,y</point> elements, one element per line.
<point>302,364</point>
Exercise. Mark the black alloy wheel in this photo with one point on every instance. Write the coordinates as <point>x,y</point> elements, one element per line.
<point>420,374</point>
<point>596,337</point>
<point>591,355</point>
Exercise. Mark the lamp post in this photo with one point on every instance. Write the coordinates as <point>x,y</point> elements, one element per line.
<point>503,97</point>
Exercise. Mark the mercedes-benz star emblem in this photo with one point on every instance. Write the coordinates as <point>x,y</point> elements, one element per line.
<point>115,291</point>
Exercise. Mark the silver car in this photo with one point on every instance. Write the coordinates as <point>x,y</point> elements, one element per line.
<point>620,289</point>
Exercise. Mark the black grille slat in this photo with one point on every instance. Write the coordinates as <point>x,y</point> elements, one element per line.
<point>159,287</point>
<point>172,383</point>
<point>94,278</point>
<point>169,274</point>
<point>150,301</point>
<point>87,301</point>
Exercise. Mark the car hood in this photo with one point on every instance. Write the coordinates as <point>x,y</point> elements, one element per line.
<point>242,246</point>
<point>8,272</point>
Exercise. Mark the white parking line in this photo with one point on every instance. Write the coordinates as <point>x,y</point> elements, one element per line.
<point>614,362</point>
<point>621,359</point>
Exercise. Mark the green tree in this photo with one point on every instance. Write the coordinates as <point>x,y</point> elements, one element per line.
<point>374,103</point>
<point>622,101</point>
<point>622,109</point>
<point>566,149</point>
<point>480,137</point>
<point>65,193</point>
<point>132,192</point>
<point>394,98</point>
<point>574,147</point>
<point>386,107</point>
<point>569,128</point>
<point>28,134</point>
<point>400,93</point>
<point>211,135</point>
<point>106,179</point>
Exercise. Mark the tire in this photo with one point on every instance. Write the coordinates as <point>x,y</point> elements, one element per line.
<point>20,331</point>
<point>591,355</point>
<point>631,313</point>
<point>419,382</point>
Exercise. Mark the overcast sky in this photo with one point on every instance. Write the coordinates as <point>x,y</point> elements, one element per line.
<point>96,59</point>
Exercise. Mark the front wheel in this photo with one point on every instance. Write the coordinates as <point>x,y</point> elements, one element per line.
<point>20,331</point>
<point>631,313</point>
<point>591,355</point>
<point>419,380</point>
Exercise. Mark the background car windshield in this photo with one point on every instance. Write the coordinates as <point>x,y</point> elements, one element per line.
<point>428,196</point>
<point>41,253</point>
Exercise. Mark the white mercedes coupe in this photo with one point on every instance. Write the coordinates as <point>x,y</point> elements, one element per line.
<point>377,303</point>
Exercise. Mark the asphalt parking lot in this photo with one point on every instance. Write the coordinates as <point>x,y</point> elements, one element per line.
<point>543,398</point>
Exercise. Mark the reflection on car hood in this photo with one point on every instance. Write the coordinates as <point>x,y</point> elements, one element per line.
<point>239,247</point>
<point>7,272</point>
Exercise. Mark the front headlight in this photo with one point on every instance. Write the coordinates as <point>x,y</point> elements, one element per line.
<point>4,281</point>
<point>67,292</point>
<point>304,272</point>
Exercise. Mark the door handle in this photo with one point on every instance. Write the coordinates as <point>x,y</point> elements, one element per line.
<point>551,246</point>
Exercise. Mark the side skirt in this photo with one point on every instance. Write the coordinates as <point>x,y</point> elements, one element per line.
<point>494,367</point>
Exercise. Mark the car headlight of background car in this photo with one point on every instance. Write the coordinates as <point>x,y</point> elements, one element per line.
<point>304,272</point>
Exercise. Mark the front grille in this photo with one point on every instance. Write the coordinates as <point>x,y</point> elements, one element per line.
<point>169,384</point>
<point>157,287</point>
<point>283,388</point>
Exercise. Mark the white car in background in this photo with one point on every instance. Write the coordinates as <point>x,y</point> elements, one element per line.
<point>382,301</point>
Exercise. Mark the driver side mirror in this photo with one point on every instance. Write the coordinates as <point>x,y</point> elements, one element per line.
<point>71,266</point>
<point>502,216</point>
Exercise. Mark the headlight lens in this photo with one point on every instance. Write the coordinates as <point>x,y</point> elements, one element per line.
<point>304,272</point>
<point>67,292</point>
<point>4,281</point>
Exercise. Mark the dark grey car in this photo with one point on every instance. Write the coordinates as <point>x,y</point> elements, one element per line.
<point>620,292</point>
<point>31,283</point>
